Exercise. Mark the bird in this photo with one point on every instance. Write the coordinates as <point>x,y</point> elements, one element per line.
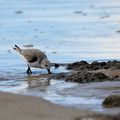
<point>34,58</point>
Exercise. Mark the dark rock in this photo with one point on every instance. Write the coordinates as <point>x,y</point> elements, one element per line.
<point>83,65</point>
<point>112,101</point>
<point>85,76</point>
<point>56,65</point>
<point>78,65</point>
<point>98,65</point>
<point>113,64</point>
<point>99,76</point>
<point>80,77</point>
<point>84,72</point>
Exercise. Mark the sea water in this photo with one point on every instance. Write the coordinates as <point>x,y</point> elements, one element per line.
<point>67,31</point>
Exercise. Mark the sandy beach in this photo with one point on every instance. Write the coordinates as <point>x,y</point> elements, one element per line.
<point>18,107</point>
<point>68,31</point>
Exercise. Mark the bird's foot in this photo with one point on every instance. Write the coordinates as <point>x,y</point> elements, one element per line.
<point>29,71</point>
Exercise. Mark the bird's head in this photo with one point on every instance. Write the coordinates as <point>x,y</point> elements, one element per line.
<point>45,64</point>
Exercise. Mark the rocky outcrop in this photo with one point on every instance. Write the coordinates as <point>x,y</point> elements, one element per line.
<point>84,72</point>
<point>94,65</point>
<point>86,76</point>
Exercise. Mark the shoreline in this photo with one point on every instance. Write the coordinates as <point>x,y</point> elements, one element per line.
<point>20,107</point>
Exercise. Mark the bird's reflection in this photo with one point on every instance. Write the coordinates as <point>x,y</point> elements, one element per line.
<point>35,81</point>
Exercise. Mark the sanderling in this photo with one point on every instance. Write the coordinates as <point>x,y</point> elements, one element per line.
<point>34,58</point>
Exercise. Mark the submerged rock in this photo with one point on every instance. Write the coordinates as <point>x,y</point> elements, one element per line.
<point>18,12</point>
<point>112,101</point>
<point>58,76</point>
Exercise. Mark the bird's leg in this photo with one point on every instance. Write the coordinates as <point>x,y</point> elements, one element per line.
<point>49,72</point>
<point>28,70</point>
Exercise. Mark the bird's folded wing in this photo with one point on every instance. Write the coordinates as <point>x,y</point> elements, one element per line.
<point>31,59</point>
<point>32,56</point>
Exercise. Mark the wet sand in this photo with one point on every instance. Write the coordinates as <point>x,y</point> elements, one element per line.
<point>17,107</point>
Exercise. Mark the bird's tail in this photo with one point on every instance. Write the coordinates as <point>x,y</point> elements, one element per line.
<point>17,49</point>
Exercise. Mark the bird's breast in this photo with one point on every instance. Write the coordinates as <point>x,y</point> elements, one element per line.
<point>34,64</point>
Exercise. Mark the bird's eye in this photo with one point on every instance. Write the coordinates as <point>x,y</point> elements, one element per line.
<point>45,65</point>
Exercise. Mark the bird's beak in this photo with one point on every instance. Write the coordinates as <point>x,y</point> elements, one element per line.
<point>49,71</point>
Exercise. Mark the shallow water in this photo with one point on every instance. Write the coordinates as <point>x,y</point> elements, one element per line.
<point>68,31</point>
<point>84,96</point>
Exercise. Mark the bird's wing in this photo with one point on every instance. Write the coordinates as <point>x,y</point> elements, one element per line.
<point>29,56</point>
<point>32,55</point>
<point>32,59</point>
